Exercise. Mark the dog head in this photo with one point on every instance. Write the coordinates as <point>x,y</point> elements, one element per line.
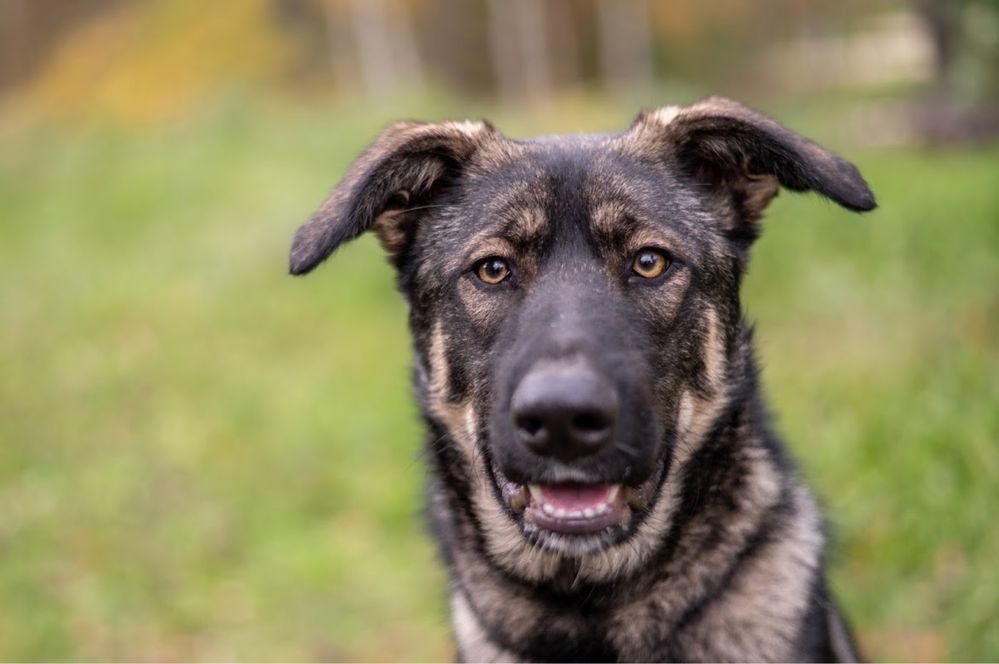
<point>574,302</point>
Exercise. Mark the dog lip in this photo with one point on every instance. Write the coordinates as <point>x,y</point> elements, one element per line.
<point>574,496</point>
<point>572,508</point>
<point>630,504</point>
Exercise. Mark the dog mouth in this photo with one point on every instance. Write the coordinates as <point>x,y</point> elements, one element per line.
<point>572,508</point>
<point>577,510</point>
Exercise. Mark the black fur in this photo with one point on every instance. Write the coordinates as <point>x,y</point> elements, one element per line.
<point>713,549</point>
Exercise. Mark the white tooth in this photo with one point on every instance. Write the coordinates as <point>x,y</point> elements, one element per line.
<point>603,508</point>
<point>518,500</point>
<point>536,493</point>
<point>612,494</point>
<point>547,509</point>
<point>574,514</point>
<point>589,513</point>
<point>560,513</point>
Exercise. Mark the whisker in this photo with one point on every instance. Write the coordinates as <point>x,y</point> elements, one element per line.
<point>423,207</point>
<point>624,447</point>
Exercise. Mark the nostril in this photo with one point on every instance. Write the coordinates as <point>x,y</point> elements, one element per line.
<point>529,424</point>
<point>590,422</point>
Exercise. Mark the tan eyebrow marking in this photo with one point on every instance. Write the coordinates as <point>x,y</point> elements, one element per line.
<point>606,218</point>
<point>608,221</point>
<point>527,225</point>
<point>647,237</point>
<point>479,247</point>
<point>491,246</point>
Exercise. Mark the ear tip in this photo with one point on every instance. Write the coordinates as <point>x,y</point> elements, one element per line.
<point>302,258</point>
<point>853,191</point>
<point>862,199</point>
<point>867,202</point>
<point>857,199</point>
<point>856,195</point>
<point>297,266</point>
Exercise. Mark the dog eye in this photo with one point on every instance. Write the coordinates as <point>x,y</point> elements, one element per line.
<point>492,271</point>
<point>649,264</point>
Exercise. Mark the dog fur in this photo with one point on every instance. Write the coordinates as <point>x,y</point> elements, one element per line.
<point>721,555</point>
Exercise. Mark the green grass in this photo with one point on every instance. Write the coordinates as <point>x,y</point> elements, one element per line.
<point>202,458</point>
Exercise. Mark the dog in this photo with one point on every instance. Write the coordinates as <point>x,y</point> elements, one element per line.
<point>605,483</point>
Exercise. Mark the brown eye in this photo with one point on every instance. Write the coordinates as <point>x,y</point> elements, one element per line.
<point>492,271</point>
<point>649,264</point>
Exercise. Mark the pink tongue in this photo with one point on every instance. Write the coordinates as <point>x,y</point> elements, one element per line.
<point>575,496</point>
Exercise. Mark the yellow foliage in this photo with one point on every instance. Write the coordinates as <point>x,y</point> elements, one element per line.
<point>154,61</point>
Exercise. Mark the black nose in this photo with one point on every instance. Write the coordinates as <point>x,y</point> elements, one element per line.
<point>564,411</point>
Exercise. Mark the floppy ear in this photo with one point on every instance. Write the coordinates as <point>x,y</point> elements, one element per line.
<point>384,188</point>
<point>741,157</point>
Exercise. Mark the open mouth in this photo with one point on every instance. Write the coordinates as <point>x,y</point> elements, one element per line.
<point>572,508</point>
<point>577,509</point>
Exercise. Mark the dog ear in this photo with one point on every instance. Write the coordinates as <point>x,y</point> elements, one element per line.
<point>393,177</point>
<point>742,157</point>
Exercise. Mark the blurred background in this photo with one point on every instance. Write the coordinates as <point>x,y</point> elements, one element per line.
<point>202,458</point>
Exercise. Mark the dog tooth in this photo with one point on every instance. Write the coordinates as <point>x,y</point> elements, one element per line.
<point>518,501</point>
<point>536,493</point>
<point>574,514</point>
<point>560,512</point>
<point>589,513</point>
<point>612,494</point>
<point>603,508</point>
<point>548,509</point>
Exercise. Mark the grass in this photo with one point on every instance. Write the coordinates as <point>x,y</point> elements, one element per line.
<point>201,458</point>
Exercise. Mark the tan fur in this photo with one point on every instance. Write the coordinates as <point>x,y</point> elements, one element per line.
<point>528,225</point>
<point>759,191</point>
<point>519,211</point>
<point>663,131</point>
<point>472,639</point>
<point>606,218</point>
<point>697,413</point>
<point>518,556</point>
<point>665,114</point>
<point>724,563</point>
<point>454,416</point>
<point>755,619</point>
<point>758,617</point>
<point>462,139</point>
<point>390,227</point>
<point>693,568</point>
<point>503,537</point>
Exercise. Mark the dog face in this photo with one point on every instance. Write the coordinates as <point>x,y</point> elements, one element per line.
<point>574,302</point>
